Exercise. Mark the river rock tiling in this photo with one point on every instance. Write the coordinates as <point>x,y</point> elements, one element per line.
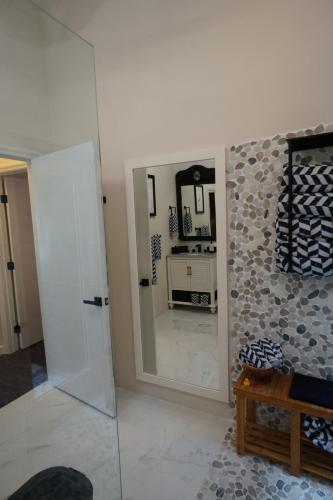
<point>255,478</point>
<point>293,310</point>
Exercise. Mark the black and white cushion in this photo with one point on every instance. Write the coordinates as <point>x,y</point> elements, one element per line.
<point>272,351</point>
<point>253,355</point>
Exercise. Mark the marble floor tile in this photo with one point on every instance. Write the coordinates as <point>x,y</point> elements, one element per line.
<point>46,428</point>
<point>187,346</point>
<point>165,448</point>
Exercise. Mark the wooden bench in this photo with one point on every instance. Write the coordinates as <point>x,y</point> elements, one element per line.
<point>291,448</point>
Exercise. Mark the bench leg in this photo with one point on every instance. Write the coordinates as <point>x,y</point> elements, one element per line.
<point>295,444</point>
<point>240,425</point>
<point>250,410</point>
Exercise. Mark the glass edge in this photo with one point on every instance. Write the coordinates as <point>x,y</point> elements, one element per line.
<point>43,11</point>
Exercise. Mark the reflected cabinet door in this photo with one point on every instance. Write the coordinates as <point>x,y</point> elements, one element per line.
<point>200,275</point>
<point>180,274</point>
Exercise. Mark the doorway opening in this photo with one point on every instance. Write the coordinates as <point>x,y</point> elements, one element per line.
<point>22,354</point>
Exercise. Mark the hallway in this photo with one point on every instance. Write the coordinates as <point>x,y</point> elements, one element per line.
<point>21,371</point>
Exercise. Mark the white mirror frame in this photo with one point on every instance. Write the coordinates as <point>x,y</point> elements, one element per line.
<point>218,155</point>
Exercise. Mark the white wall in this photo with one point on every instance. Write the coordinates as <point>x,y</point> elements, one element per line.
<point>186,74</point>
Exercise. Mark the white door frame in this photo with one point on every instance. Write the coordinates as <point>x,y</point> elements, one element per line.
<point>218,155</point>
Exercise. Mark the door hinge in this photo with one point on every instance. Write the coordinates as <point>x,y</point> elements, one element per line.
<point>10,265</point>
<point>3,198</point>
<point>17,329</point>
<point>104,199</point>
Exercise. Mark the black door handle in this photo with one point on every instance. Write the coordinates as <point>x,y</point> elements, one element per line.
<point>96,302</point>
<point>144,282</point>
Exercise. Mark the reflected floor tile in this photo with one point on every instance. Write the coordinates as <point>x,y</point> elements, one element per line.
<point>187,346</point>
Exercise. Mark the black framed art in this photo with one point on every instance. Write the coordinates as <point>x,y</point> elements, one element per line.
<point>199,199</point>
<point>151,195</point>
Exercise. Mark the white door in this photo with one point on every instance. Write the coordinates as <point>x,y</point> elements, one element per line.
<point>23,256</point>
<point>71,260</point>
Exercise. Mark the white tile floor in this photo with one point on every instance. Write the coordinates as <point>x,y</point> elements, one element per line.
<point>165,448</point>
<point>46,428</point>
<point>187,346</point>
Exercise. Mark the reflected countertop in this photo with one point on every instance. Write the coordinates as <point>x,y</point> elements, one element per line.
<point>192,255</point>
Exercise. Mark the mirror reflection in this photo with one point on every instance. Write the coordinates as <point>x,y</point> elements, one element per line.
<point>176,233</point>
<point>198,210</point>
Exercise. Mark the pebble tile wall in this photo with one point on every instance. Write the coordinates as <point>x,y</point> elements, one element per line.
<point>293,310</point>
<point>256,478</point>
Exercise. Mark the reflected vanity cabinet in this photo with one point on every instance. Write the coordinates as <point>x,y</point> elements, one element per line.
<point>192,281</point>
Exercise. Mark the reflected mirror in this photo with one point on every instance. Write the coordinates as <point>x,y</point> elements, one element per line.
<point>176,256</point>
<point>195,188</point>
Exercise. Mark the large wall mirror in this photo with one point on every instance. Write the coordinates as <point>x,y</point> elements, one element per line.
<point>178,262</point>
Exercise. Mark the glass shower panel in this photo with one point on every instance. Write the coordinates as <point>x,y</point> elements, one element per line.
<point>48,104</point>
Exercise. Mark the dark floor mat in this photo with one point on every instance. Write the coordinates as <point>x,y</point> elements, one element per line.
<point>56,483</point>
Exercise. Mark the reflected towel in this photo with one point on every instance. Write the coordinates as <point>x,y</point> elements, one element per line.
<point>188,222</point>
<point>173,224</point>
<point>156,254</point>
<point>204,230</point>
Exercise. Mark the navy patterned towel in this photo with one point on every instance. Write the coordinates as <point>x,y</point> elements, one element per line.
<point>311,227</point>
<point>312,178</point>
<point>319,431</point>
<point>188,222</point>
<point>173,224</point>
<point>317,205</point>
<point>156,254</point>
<point>204,230</point>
